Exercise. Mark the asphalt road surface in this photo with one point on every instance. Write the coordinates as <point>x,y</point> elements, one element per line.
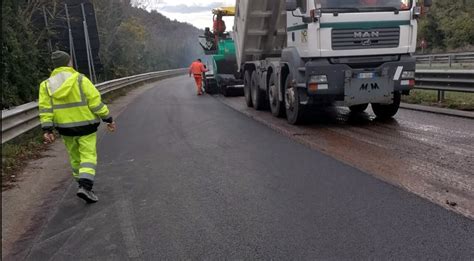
<point>188,177</point>
<point>428,154</point>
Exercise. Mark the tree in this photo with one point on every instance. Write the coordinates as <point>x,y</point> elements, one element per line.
<point>135,40</point>
<point>24,59</point>
<point>449,25</point>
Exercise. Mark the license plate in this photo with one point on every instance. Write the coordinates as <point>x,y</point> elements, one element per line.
<point>366,75</point>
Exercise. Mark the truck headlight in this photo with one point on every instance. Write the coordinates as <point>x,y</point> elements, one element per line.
<point>408,75</point>
<point>318,79</point>
<point>317,82</point>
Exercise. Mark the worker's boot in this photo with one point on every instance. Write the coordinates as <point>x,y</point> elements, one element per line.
<point>87,195</point>
<point>85,191</point>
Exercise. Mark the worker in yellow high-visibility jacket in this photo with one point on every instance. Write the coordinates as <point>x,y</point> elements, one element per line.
<point>70,103</point>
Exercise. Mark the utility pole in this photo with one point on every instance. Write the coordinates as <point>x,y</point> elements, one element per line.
<point>50,46</point>
<point>90,58</point>
<point>71,39</point>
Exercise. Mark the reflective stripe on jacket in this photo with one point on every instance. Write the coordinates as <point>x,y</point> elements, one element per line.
<point>70,102</point>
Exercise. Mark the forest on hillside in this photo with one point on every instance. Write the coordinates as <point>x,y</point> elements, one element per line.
<point>448,26</point>
<point>133,40</point>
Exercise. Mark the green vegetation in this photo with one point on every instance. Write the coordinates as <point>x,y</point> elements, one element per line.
<point>453,100</point>
<point>135,41</point>
<point>448,26</point>
<point>132,41</point>
<point>24,61</point>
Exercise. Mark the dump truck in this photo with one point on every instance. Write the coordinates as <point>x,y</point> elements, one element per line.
<point>296,55</point>
<point>220,46</point>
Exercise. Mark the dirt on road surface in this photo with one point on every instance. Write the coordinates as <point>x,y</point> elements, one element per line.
<point>428,154</point>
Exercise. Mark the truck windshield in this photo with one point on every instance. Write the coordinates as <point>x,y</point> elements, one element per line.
<point>364,5</point>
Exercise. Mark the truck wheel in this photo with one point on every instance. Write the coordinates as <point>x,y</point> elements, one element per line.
<point>276,106</point>
<point>247,81</point>
<point>258,98</point>
<point>385,111</point>
<point>359,108</point>
<point>295,112</point>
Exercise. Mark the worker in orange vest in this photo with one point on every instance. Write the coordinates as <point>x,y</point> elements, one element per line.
<point>218,25</point>
<point>196,69</point>
<point>218,28</point>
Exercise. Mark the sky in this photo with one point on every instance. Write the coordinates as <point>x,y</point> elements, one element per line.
<point>197,13</point>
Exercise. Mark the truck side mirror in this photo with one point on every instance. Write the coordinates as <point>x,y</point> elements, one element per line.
<point>428,3</point>
<point>291,5</point>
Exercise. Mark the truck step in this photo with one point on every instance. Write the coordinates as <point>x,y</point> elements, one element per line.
<point>253,51</point>
<point>257,32</point>
<point>235,86</point>
<point>261,14</point>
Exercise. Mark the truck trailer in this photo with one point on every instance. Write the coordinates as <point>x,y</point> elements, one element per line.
<point>296,54</point>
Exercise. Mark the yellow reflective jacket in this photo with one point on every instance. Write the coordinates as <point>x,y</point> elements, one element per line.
<point>69,102</point>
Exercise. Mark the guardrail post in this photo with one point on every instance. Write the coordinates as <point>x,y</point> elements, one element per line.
<point>440,96</point>
<point>430,58</point>
<point>450,59</point>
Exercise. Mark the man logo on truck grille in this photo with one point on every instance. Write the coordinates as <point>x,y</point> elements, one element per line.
<point>366,35</point>
<point>366,42</point>
<point>366,38</point>
<point>373,86</point>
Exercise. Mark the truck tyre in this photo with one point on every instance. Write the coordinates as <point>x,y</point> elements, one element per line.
<point>277,107</point>
<point>295,112</point>
<point>359,108</point>
<point>385,111</point>
<point>247,81</point>
<point>258,98</point>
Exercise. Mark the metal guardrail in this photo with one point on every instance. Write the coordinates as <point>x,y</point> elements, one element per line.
<point>25,117</point>
<point>445,80</point>
<point>449,58</point>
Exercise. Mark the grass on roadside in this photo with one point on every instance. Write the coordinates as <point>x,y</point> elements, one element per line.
<point>16,152</point>
<point>453,100</point>
<point>110,97</point>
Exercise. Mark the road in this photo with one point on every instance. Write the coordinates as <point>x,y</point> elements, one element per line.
<point>428,154</point>
<point>188,177</point>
